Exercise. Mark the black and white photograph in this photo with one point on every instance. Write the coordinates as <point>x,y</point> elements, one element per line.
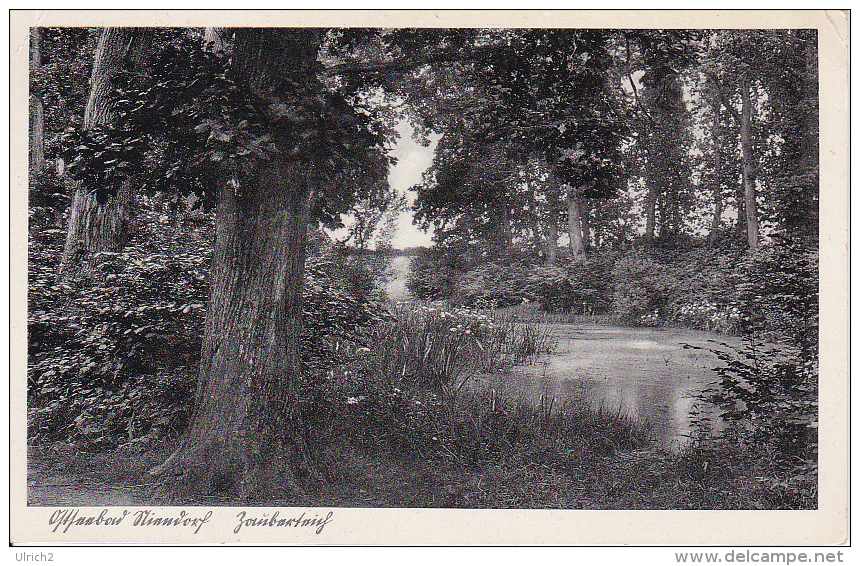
<point>278,276</point>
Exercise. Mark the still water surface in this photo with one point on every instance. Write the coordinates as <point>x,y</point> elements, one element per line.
<point>645,372</point>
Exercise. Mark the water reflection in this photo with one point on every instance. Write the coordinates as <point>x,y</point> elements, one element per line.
<point>646,372</point>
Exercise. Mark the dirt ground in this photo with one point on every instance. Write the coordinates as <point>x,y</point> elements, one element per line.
<point>58,475</point>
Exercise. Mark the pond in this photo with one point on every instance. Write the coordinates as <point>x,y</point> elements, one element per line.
<point>645,372</point>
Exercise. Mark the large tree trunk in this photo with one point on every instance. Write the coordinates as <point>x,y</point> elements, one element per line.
<point>574,226</point>
<point>748,182</point>
<point>241,437</point>
<point>95,227</point>
<point>534,209</point>
<point>651,195</point>
<point>37,110</point>
<point>250,356</point>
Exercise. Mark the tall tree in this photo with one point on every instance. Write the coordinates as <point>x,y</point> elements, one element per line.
<point>250,361</point>
<point>750,206</point>
<point>37,108</point>
<point>550,91</point>
<point>281,149</point>
<point>717,185</point>
<point>95,226</point>
<point>662,56</point>
<point>790,171</point>
<point>543,94</point>
<point>730,68</point>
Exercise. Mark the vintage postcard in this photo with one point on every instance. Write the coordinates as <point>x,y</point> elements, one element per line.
<point>429,277</point>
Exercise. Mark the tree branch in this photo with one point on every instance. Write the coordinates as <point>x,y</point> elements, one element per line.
<point>633,85</point>
<point>723,96</point>
<point>409,63</point>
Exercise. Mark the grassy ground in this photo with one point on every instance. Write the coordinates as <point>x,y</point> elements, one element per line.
<point>562,462</point>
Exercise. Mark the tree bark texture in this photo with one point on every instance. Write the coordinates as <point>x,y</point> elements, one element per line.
<point>215,39</point>
<point>94,227</point>
<point>585,210</point>
<point>651,195</point>
<point>37,110</point>
<point>240,439</point>
<point>574,226</point>
<point>748,182</point>
<point>250,357</point>
<point>650,212</point>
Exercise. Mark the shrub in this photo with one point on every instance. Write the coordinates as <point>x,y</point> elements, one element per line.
<point>113,351</point>
<point>642,289</point>
<point>432,274</point>
<point>493,285</point>
<point>47,198</point>
<point>578,287</point>
<point>706,293</point>
<point>769,394</point>
<point>693,288</point>
<point>340,304</point>
<point>779,294</point>
<point>707,316</point>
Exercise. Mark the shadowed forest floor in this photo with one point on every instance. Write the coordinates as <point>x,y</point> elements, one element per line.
<point>58,476</point>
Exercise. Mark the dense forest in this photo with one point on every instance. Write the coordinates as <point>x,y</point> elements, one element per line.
<point>185,292</point>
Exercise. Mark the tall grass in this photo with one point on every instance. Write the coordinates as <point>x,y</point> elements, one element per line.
<point>419,386</point>
<point>438,349</point>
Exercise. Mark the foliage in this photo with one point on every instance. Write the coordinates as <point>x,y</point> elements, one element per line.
<point>340,304</point>
<point>187,121</point>
<point>665,135</point>
<point>769,398</point>
<point>706,292</point>
<point>61,80</point>
<point>769,394</point>
<point>433,273</point>
<point>642,289</point>
<point>693,288</point>
<point>578,287</point>
<point>494,284</point>
<point>533,119</point>
<point>779,295</point>
<point>47,198</point>
<point>113,352</point>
